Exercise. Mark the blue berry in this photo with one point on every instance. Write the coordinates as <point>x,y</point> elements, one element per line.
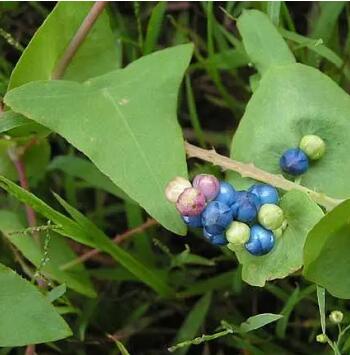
<point>227,194</point>
<point>246,207</point>
<point>261,241</point>
<point>193,221</point>
<point>294,161</point>
<point>266,193</point>
<point>216,217</point>
<point>216,239</point>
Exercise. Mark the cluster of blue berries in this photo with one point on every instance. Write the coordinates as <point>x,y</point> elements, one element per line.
<point>250,219</point>
<point>295,161</point>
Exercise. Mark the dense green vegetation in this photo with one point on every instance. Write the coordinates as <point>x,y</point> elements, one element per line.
<point>93,258</point>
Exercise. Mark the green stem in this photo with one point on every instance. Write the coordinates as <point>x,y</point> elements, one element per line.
<point>251,171</point>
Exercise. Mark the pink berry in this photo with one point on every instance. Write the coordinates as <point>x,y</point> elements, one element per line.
<point>208,184</point>
<point>175,188</point>
<point>191,202</point>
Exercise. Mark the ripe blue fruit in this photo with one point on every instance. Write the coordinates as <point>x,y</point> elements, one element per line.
<point>216,217</point>
<point>266,193</point>
<point>193,221</point>
<point>216,239</point>
<point>246,207</point>
<point>227,194</point>
<point>261,241</point>
<point>294,161</point>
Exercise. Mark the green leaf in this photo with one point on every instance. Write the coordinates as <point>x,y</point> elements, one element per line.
<point>85,170</point>
<point>273,11</point>
<point>262,41</point>
<point>87,233</point>
<point>15,124</point>
<point>326,254</point>
<point>321,300</point>
<point>125,122</point>
<point>290,102</point>
<point>27,317</point>
<point>96,56</point>
<point>56,293</point>
<point>259,321</point>
<point>221,281</point>
<point>143,272</point>
<point>154,26</point>
<point>226,60</point>
<point>59,253</point>
<point>314,45</point>
<point>193,322</point>
<point>286,257</point>
<point>282,324</point>
<point>121,348</point>
<point>323,25</point>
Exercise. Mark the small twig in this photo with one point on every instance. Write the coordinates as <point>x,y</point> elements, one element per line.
<point>118,239</point>
<point>78,39</point>
<point>251,171</point>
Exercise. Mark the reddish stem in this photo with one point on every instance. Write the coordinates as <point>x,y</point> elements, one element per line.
<point>23,181</point>
<point>78,39</point>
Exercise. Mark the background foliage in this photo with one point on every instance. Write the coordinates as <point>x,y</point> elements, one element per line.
<point>158,289</point>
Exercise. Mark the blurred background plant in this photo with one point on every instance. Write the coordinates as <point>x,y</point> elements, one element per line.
<point>217,86</point>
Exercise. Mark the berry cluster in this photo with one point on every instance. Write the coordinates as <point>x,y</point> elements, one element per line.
<point>295,161</point>
<point>237,218</point>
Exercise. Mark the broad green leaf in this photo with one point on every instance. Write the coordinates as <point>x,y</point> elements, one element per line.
<point>85,170</point>
<point>287,255</point>
<point>59,253</point>
<point>292,101</point>
<point>326,254</point>
<point>154,26</point>
<point>96,56</point>
<point>264,45</point>
<point>193,322</point>
<point>27,317</point>
<point>124,121</point>
<point>87,233</point>
<point>259,321</point>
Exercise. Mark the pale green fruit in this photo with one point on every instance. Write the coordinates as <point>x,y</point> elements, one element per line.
<point>237,233</point>
<point>313,146</point>
<point>336,317</point>
<point>270,216</point>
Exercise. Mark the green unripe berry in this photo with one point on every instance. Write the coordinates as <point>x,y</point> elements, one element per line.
<point>270,216</point>
<point>321,338</point>
<point>237,233</point>
<point>313,146</point>
<point>336,317</point>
